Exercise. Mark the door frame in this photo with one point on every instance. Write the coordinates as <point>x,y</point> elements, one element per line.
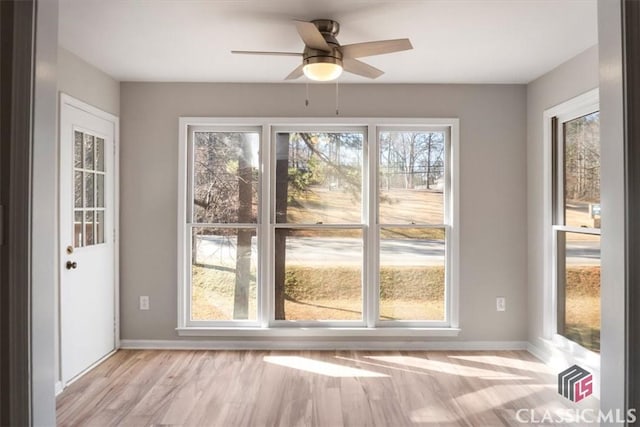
<point>68,100</point>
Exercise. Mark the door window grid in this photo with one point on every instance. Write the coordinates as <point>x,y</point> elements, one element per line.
<point>89,189</point>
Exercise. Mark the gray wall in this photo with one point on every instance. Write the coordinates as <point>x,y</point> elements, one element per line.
<point>493,186</point>
<point>83,81</point>
<point>574,77</point>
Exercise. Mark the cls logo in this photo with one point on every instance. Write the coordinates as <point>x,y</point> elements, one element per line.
<point>575,383</point>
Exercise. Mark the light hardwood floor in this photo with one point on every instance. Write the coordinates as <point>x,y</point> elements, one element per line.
<point>311,388</point>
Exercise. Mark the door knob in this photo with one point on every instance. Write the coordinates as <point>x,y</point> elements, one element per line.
<point>72,265</point>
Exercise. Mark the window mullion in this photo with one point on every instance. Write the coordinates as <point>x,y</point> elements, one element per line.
<point>371,259</point>
<point>265,283</point>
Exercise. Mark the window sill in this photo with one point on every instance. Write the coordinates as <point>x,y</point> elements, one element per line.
<point>317,332</point>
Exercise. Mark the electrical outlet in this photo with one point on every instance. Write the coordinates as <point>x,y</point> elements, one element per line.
<point>144,303</point>
<point>501,304</point>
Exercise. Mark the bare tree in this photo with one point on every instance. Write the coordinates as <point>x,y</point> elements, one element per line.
<point>411,158</point>
<point>582,159</point>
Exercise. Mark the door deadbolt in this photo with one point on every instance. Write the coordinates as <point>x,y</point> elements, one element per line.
<point>72,265</point>
<point>69,249</point>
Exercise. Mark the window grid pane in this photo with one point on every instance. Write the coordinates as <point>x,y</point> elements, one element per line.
<point>411,177</point>
<point>224,274</point>
<point>318,274</point>
<point>412,274</point>
<point>579,288</point>
<point>319,177</point>
<point>225,177</point>
<point>582,171</point>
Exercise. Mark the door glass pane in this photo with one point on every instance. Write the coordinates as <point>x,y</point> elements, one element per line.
<point>99,190</point>
<point>582,171</point>
<point>225,181</point>
<point>77,189</point>
<point>412,273</point>
<point>318,274</point>
<point>99,227</point>
<point>77,229</point>
<point>77,149</point>
<point>579,288</point>
<point>88,186</point>
<point>88,152</point>
<point>319,177</point>
<point>100,154</point>
<point>88,228</point>
<point>223,274</point>
<point>411,177</point>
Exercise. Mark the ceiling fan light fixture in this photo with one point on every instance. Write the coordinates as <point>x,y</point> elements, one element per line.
<point>322,71</point>
<point>323,55</point>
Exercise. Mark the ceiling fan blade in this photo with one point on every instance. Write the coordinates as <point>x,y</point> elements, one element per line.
<point>360,68</point>
<point>259,52</point>
<point>295,74</point>
<point>360,50</point>
<point>311,36</point>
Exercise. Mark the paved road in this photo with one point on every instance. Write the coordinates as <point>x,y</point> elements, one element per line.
<point>334,251</point>
<point>347,251</point>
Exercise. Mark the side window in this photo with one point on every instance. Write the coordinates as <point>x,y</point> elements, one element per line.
<point>576,226</point>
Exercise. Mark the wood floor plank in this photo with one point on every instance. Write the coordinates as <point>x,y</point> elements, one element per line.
<point>311,388</point>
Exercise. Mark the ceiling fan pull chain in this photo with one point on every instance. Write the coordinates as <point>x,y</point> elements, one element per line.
<point>337,100</point>
<point>306,100</point>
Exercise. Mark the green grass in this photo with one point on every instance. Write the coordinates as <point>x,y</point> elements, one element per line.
<point>328,293</point>
<point>406,292</point>
<point>582,320</point>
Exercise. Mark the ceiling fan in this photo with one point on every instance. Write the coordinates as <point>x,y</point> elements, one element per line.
<point>323,59</point>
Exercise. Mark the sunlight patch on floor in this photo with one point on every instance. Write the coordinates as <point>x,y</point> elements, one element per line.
<point>506,362</point>
<point>384,366</point>
<point>447,368</point>
<point>322,368</point>
<point>476,402</point>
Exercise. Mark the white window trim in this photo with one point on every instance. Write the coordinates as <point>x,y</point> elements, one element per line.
<point>573,108</point>
<point>370,326</point>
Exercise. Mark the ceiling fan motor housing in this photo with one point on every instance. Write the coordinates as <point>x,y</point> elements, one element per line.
<point>329,30</point>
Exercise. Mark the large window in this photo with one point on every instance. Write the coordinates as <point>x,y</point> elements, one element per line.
<point>576,224</point>
<point>323,225</point>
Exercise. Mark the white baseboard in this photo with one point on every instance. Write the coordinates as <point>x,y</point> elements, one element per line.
<point>320,345</point>
<point>537,352</point>
<point>58,387</point>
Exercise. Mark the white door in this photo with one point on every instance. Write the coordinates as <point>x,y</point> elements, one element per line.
<point>87,233</point>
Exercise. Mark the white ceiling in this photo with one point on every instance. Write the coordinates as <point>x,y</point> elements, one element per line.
<point>455,41</point>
